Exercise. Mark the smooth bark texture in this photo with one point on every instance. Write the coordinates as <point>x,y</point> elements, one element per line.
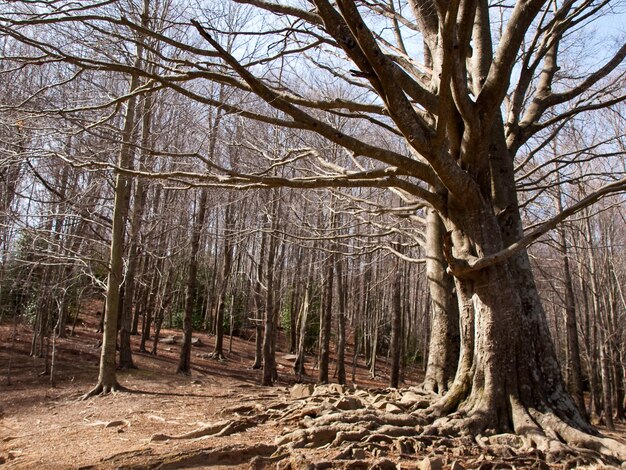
<point>107,378</point>
<point>395,346</point>
<point>574,368</point>
<point>443,350</point>
<point>341,322</point>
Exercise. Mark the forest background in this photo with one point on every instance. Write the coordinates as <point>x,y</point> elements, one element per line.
<point>433,183</point>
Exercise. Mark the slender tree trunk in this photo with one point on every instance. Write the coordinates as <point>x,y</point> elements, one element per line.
<point>574,368</point>
<point>303,317</point>
<point>341,323</point>
<point>326,320</point>
<point>184,361</point>
<point>396,328</point>
<point>261,308</point>
<point>443,351</point>
<point>107,379</point>
<point>269,364</point>
<point>218,352</point>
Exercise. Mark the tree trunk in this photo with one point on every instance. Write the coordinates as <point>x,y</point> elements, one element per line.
<point>218,352</point>
<point>326,320</point>
<point>261,308</point>
<point>396,328</point>
<point>574,368</point>
<point>303,317</point>
<point>184,361</point>
<point>341,323</point>
<point>107,379</point>
<point>269,363</point>
<point>443,351</point>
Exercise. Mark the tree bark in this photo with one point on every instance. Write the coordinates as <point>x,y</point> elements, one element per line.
<point>574,368</point>
<point>396,328</point>
<point>326,320</point>
<point>341,322</point>
<point>184,360</point>
<point>443,350</point>
<point>269,360</point>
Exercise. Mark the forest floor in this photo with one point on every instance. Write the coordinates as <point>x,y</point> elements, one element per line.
<point>219,417</point>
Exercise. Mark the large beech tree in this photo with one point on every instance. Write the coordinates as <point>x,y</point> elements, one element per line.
<point>456,95</point>
<point>463,122</point>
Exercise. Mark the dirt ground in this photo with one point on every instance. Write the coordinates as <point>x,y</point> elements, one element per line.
<point>45,427</point>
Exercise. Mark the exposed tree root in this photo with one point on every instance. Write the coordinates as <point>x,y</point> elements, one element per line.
<point>365,435</point>
<point>217,356</point>
<point>101,389</point>
<point>219,429</point>
<point>557,440</point>
<point>319,436</point>
<point>581,440</point>
<point>225,455</point>
<point>376,417</point>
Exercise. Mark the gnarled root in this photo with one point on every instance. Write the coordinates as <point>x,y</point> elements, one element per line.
<point>603,448</point>
<point>219,429</point>
<point>534,431</point>
<point>217,356</point>
<point>102,389</point>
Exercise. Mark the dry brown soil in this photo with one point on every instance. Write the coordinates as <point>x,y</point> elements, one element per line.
<point>45,427</point>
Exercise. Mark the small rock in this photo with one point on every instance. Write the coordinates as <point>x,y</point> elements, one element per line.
<point>391,408</point>
<point>196,342</point>
<point>409,398</point>
<point>356,465</point>
<point>511,440</point>
<point>379,398</point>
<point>156,418</point>
<point>384,464</point>
<point>380,405</point>
<point>319,466</point>
<point>118,422</point>
<point>348,403</point>
<point>301,391</point>
<point>168,340</point>
<point>358,454</point>
<point>431,464</point>
<point>405,446</point>
<point>13,454</point>
<point>329,389</point>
